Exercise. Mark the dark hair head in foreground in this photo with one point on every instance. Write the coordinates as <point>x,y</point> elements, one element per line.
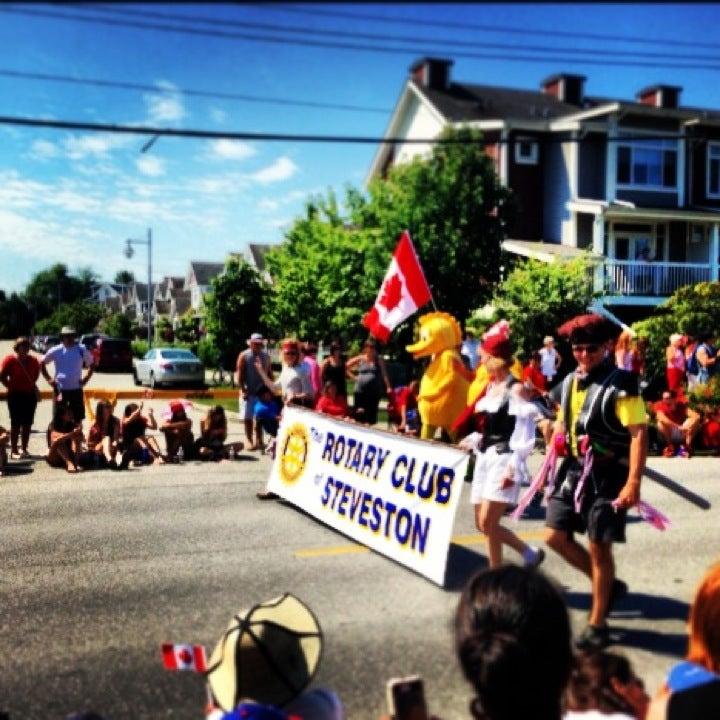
<point>512,635</point>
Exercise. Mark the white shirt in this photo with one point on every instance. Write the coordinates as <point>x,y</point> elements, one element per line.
<point>547,362</point>
<point>68,364</point>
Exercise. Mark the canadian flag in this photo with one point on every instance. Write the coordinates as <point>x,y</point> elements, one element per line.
<point>402,292</point>
<point>184,657</point>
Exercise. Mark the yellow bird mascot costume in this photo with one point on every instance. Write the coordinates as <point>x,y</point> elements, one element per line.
<point>443,388</point>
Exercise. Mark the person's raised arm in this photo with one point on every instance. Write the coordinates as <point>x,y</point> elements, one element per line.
<point>240,369</point>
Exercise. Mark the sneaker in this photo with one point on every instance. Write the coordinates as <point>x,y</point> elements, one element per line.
<point>593,638</point>
<point>618,592</point>
<point>683,452</point>
<point>669,450</point>
<point>537,560</point>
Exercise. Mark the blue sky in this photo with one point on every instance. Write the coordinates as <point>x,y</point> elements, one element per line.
<point>74,197</point>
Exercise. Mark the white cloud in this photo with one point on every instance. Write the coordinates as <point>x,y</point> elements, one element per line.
<point>282,169</point>
<point>37,238</point>
<point>231,149</point>
<point>165,106</point>
<point>44,150</point>
<point>268,204</point>
<point>281,223</point>
<point>150,165</point>
<point>219,116</point>
<point>78,147</point>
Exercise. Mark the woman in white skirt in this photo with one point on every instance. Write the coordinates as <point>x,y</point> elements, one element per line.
<point>501,451</point>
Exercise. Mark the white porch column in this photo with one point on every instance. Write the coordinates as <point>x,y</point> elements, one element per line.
<point>611,160</point>
<point>714,250</point>
<point>598,248</point>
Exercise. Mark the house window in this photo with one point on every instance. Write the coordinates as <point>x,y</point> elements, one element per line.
<point>647,164</point>
<point>526,151</point>
<point>713,169</point>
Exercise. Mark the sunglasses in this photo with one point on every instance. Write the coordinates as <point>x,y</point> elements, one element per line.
<point>591,348</point>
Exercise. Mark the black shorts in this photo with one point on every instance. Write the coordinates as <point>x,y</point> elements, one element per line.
<point>597,516</point>
<point>21,406</point>
<point>73,398</point>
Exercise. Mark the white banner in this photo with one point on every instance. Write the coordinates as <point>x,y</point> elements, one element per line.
<point>395,494</point>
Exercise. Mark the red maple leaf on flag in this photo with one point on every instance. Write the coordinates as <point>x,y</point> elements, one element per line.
<point>391,292</point>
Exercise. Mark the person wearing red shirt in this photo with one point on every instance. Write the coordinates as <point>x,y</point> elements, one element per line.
<point>19,372</point>
<point>532,375</point>
<point>677,424</point>
<point>331,402</point>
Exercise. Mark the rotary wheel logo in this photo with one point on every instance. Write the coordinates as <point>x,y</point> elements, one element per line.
<point>293,453</point>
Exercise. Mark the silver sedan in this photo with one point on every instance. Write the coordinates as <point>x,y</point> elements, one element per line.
<point>169,366</point>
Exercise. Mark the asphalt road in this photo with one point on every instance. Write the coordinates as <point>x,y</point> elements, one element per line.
<point>97,570</point>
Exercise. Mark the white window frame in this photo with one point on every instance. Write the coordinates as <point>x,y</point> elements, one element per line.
<point>712,147</point>
<point>661,144</point>
<point>531,159</point>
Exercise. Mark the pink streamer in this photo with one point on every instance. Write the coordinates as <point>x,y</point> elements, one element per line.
<point>546,472</point>
<point>650,514</point>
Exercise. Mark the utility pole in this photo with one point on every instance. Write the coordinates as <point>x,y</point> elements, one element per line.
<point>129,252</point>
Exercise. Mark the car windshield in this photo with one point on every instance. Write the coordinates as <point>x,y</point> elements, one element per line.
<point>177,355</point>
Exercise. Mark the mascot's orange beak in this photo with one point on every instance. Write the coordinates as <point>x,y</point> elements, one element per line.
<point>423,347</point>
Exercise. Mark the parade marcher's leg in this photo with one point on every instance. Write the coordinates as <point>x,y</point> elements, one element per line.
<point>487,518</point>
<point>603,576</point>
<point>565,545</point>
<point>14,435</point>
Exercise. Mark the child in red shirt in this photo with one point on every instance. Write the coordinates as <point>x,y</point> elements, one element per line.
<point>332,403</point>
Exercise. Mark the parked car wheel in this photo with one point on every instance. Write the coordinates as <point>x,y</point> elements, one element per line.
<point>152,382</point>
<point>136,379</point>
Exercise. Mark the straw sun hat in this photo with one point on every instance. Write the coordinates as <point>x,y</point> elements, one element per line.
<point>268,653</point>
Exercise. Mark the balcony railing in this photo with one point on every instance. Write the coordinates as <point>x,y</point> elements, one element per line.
<point>660,279</point>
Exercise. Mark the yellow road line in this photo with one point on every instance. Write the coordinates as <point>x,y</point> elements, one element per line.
<point>474,539</point>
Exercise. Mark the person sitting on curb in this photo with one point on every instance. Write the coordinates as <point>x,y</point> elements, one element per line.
<point>677,424</point>
<point>213,434</point>
<point>103,437</point>
<point>133,441</point>
<point>64,439</point>
<point>178,433</point>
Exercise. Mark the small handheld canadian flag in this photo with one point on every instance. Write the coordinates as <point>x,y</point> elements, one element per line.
<point>184,657</point>
<point>402,292</point>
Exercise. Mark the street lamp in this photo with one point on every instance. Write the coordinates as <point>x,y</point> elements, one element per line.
<point>129,252</point>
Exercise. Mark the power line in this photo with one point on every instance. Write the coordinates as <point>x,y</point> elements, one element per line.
<point>289,137</point>
<point>407,21</point>
<point>123,85</point>
<point>348,46</point>
<point>379,37</point>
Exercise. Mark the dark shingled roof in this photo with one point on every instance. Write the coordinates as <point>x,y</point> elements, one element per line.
<point>465,103</point>
<point>205,271</point>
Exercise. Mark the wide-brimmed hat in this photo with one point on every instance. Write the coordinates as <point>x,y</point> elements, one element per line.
<point>255,337</point>
<point>68,330</point>
<point>268,653</point>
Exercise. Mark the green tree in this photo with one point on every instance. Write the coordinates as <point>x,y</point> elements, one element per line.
<point>457,212</point>
<point>117,325</point>
<point>15,316</point>
<point>124,277</point>
<point>50,288</point>
<point>233,308</point>
<point>83,315</point>
<point>690,310</point>
<point>325,275</point>
<point>537,297</point>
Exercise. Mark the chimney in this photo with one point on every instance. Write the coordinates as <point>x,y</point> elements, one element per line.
<point>664,96</point>
<point>565,87</point>
<point>432,73</point>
